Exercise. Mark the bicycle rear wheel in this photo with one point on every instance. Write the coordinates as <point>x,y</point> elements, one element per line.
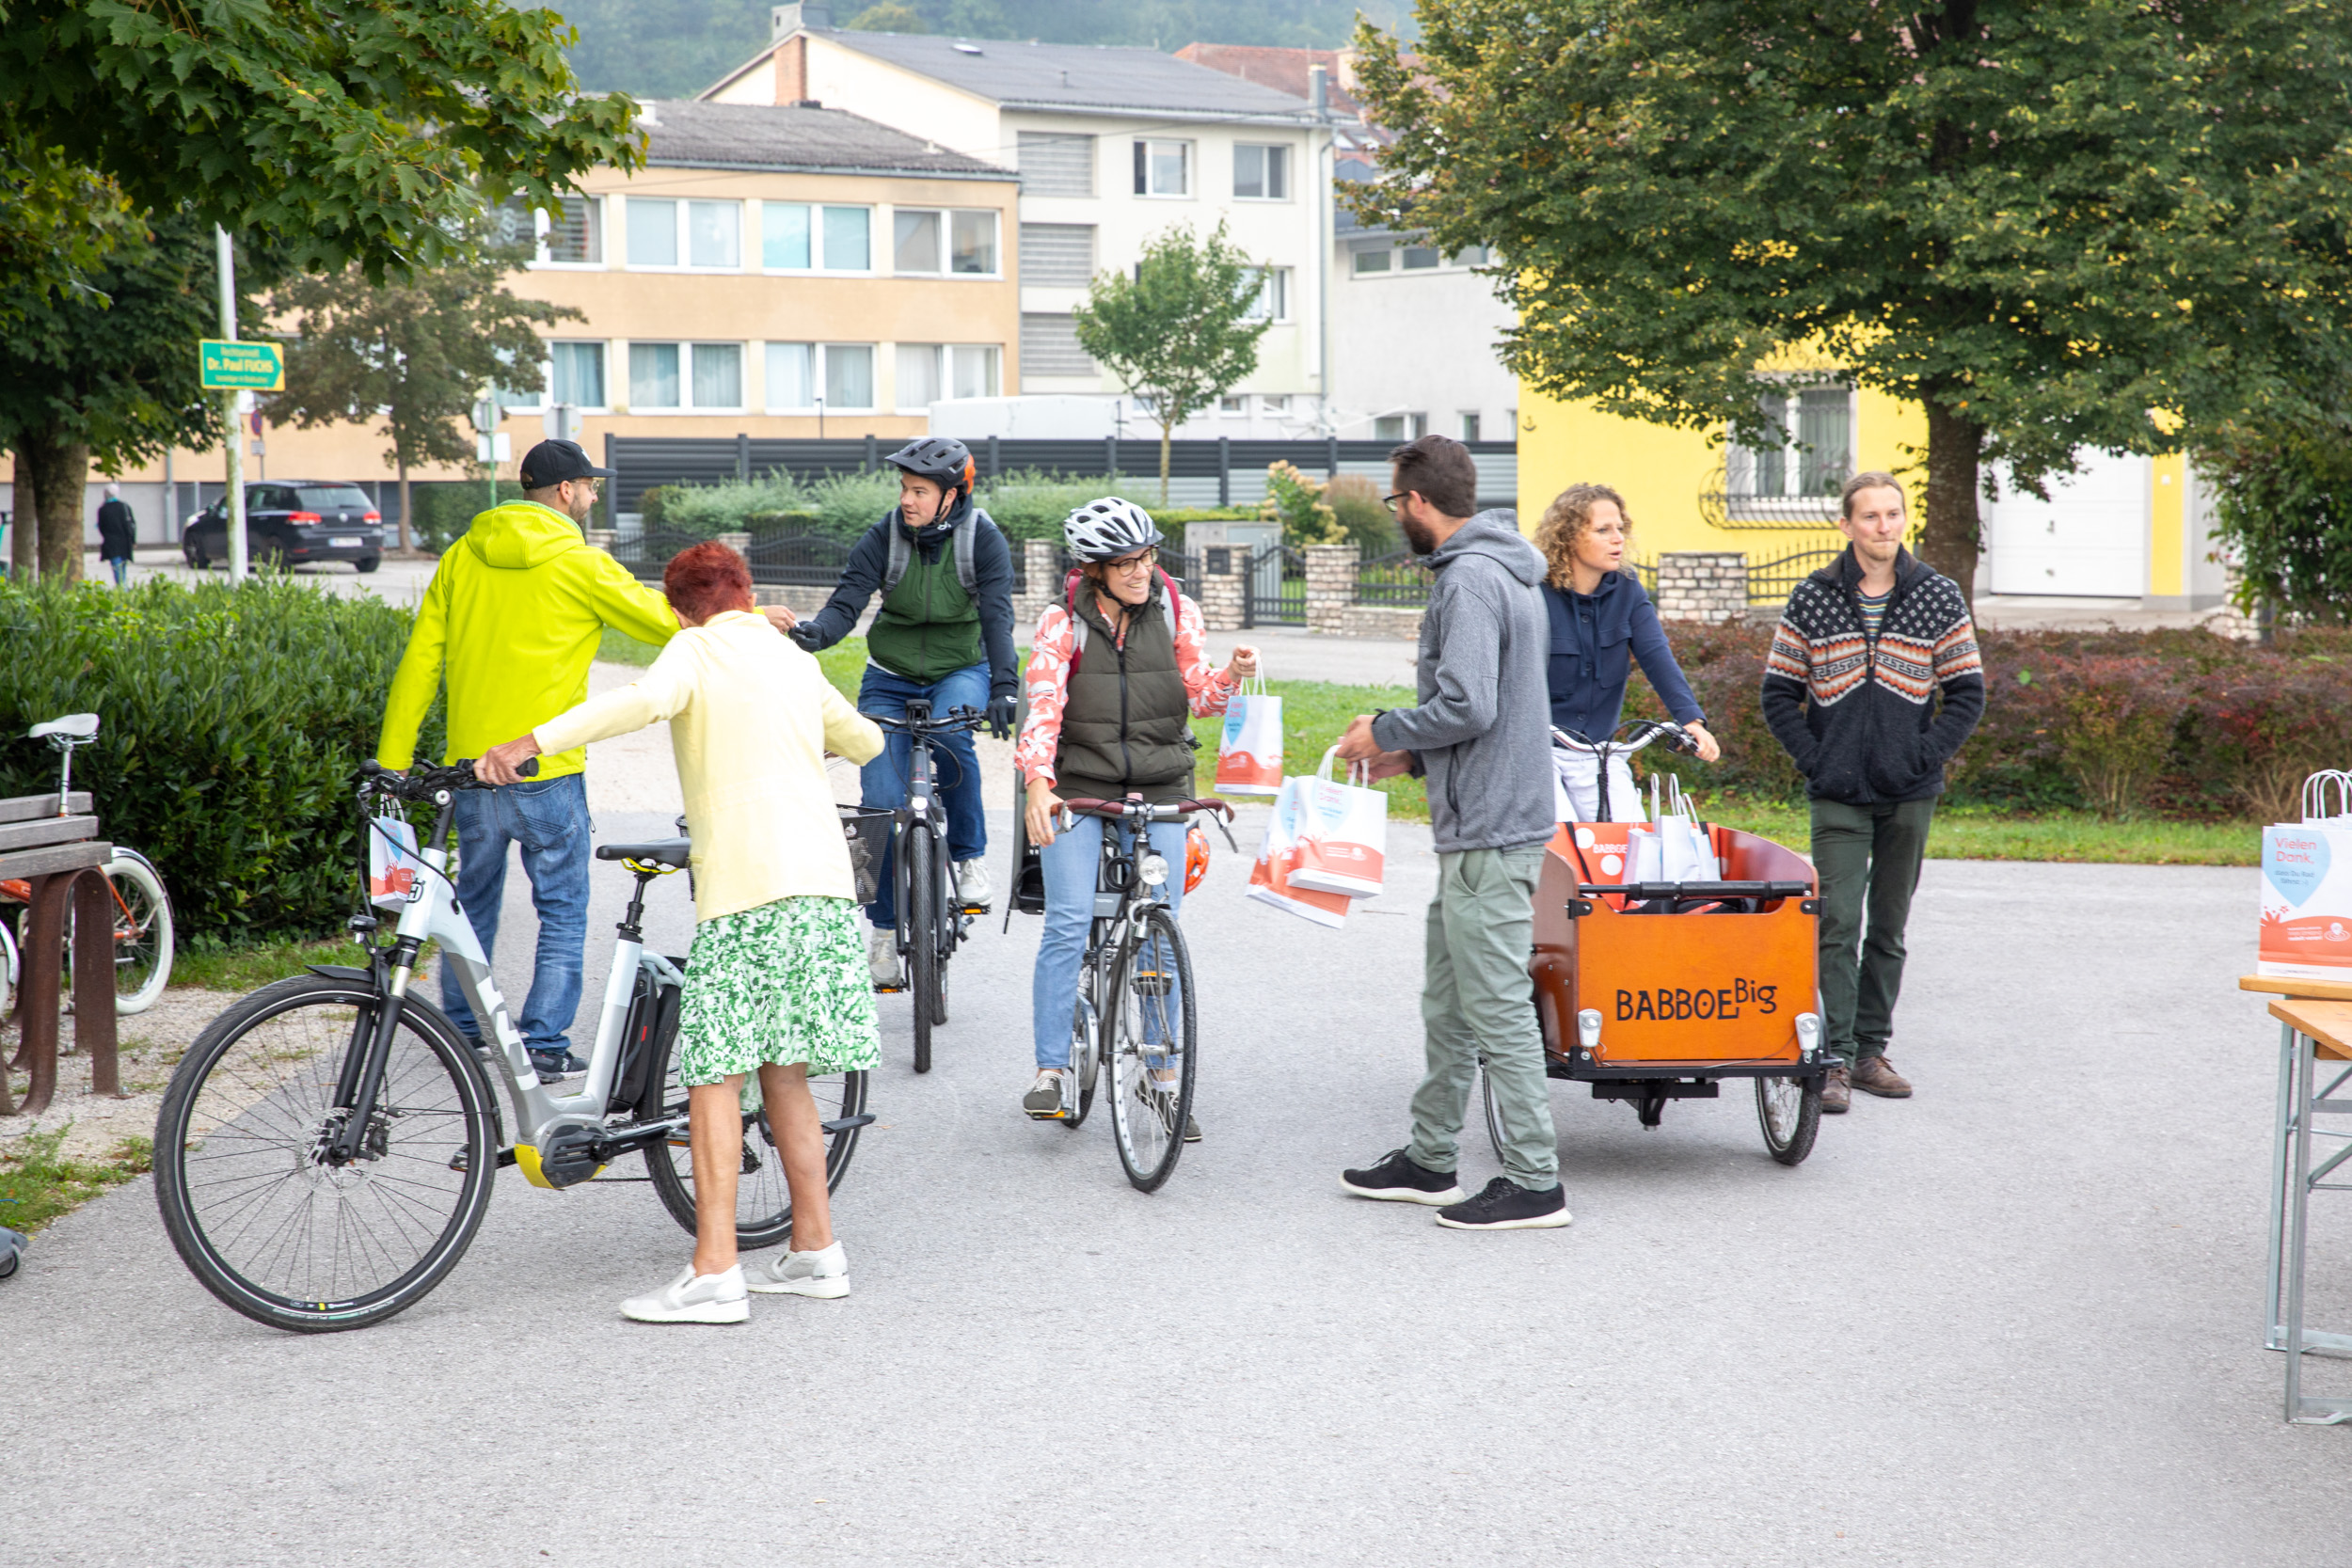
<point>919,919</point>
<point>1147,1015</point>
<point>256,1210</point>
<point>1085,1048</point>
<point>763,1201</point>
<point>143,937</point>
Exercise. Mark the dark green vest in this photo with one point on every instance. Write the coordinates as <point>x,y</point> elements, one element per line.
<point>1124,726</point>
<point>927,627</point>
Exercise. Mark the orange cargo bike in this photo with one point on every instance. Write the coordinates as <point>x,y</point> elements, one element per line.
<point>1659,991</point>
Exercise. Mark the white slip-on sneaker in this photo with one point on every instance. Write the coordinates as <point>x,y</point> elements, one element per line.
<point>972,882</point>
<point>881,957</point>
<point>824,1274</point>
<point>693,1298</point>
<point>1046,1097</point>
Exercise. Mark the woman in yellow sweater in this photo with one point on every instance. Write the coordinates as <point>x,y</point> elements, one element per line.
<point>777,982</point>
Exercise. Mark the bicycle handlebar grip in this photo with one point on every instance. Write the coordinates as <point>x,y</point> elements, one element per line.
<point>530,769</point>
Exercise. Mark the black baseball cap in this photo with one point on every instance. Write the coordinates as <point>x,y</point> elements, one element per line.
<point>553,462</point>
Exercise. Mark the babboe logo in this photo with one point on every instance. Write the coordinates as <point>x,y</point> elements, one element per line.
<point>1675,1005</point>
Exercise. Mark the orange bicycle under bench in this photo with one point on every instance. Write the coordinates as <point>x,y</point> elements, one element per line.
<point>1660,991</point>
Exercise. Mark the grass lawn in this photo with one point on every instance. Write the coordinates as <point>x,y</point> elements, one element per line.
<point>35,1186</point>
<point>1315,714</point>
<point>244,969</point>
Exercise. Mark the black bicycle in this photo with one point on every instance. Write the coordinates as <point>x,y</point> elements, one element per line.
<point>934,914</point>
<point>1134,1013</point>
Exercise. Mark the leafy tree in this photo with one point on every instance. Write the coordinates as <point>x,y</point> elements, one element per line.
<point>1178,332</point>
<point>2082,223</point>
<point>106,369</point>
<point>890,15</point>
<point>416,355</point>
<point>2283,511</point>
<point>362,134</point>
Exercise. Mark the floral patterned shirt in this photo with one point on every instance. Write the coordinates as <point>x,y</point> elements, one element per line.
<point>1048,682</point>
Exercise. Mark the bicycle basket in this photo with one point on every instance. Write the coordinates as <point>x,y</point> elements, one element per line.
<point>867,829</point>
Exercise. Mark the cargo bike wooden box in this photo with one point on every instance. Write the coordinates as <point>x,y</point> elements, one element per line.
<point>1652,991</point>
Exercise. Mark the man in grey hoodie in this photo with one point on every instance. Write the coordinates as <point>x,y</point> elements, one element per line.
<point>1482,737</point>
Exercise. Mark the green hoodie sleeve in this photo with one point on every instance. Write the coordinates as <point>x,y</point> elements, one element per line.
<point>627,605</point>
<point>416,681</point>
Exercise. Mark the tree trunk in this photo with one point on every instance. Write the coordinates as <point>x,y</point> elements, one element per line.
<point>1951,541</point>
<point>25,527</point>
<point>407,540</point>
<point>60,471</point>
<point>1165,434</point>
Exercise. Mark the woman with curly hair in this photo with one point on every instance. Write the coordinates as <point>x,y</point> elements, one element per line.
<point>1601,622</point>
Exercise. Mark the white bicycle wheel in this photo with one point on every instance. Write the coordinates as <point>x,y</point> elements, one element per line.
<point>143,935</point>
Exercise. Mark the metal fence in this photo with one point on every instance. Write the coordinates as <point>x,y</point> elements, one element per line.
<point>1275,589</point>
<point>1399,577</point>
<point>1223,472</point>
<point>1772,581</point>
<point>798,560</point>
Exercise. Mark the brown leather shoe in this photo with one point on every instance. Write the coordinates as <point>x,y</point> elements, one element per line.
<point>1876,1075</point>
<point>1836,1096</point>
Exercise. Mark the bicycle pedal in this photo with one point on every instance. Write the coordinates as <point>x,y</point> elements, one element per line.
<point>974,908</point>
<point>890,991</point>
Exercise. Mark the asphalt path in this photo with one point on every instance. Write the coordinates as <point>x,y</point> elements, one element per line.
<point>2011,1320</point>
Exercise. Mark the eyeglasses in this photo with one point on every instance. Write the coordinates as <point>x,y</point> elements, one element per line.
<point>1390,501</point>
<point>1140,561</point>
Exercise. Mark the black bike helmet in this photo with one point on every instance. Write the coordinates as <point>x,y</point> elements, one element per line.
<point>942,459</point>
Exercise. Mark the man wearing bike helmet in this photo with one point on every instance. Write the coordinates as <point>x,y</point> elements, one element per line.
<point>944,634</point>
<point>1119,663</point>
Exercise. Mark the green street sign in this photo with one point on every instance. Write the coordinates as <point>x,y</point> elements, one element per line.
<point>259,366</point>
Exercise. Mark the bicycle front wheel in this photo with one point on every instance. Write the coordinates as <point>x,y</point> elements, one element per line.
<point>919,919</point>
<point>763,1199</point>
<point>261,1214</point>
<point>143,937</point>
<point>1151,1038</point>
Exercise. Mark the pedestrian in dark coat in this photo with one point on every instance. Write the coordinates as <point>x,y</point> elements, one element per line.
<point>118,531</point>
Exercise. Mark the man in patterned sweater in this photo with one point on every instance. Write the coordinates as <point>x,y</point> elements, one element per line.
<point>1850,689</point>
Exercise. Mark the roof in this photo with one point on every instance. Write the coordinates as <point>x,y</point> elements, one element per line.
<point>687,134</point>
<point>1284,71</point>
<point>1076,78</point>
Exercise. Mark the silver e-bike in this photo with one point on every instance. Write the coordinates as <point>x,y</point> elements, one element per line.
<point>325,1148</point>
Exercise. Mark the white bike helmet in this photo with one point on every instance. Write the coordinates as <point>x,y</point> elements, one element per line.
<point>1108,529</point>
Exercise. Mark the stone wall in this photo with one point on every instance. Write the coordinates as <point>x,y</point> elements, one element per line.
<point>1220,588</point>
<point>1041,568</point>
<point>1399,620</point>
<point>1330,587</point>
<point>1703,585</point>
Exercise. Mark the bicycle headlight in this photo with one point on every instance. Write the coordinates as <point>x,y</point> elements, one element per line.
<point>1154,870</point>
<point>1588,1028</point>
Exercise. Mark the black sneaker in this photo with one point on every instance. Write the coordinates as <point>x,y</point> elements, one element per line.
<point>1397,1179</point>
<point>1505,1205</point>
<point>556,1066</point>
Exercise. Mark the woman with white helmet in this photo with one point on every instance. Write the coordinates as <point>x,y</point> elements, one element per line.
<point>1116,671</point>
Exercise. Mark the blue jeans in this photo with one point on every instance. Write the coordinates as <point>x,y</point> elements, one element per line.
<point>549,819</point>
<point>1071,863</point>
<point>955,765</point>
<point>122,565</point>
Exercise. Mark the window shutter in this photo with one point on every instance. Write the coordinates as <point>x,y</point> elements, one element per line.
<point>1057,255</point>
<point>1049,346</point>
<point>1056,163</point>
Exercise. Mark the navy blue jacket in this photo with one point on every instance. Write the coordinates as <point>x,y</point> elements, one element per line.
<point>1594,639</point>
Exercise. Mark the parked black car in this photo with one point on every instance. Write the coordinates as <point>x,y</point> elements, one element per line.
<point>288,522</point>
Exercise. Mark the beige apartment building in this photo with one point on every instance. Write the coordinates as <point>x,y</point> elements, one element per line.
<point>775,270</point>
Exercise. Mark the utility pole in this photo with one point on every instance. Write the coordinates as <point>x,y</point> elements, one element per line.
<point>233,408</point>
<point>1321,158</point>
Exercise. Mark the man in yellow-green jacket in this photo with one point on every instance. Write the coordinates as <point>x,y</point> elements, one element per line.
<point>512,619</point>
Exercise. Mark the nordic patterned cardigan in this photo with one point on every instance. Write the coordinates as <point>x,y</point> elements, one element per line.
<point>1859,715</point>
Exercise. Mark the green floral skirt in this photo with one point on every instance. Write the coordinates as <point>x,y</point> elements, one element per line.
<point>786,982</point>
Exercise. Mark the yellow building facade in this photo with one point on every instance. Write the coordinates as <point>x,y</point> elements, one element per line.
<point>2123,528</point>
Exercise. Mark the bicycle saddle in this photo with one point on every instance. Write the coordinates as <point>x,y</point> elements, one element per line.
<point>74,726</point>
<point>671,852</point>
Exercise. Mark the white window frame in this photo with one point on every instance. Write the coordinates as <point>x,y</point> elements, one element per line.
<point>1387,267</point>
<point>683,237</point>
<point>687,347</point>
<point>818,354</point>
<point>604,354</point>
<point>1233,406</point>
<point>947,367</point>
<point>1276,281</point>
<point>1146,158</point>
<point>1747,500</point>
<point>947,256</point>
<point>817,241</point>
<point>1261,147</point>
<point>898,378</point>
<point>544,225</point>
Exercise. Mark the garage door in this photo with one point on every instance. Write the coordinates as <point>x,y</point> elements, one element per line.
<point>2089,540</point>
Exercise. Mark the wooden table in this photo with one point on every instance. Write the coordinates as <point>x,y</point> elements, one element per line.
<point>2315,1026</point>
<point>60,855</point>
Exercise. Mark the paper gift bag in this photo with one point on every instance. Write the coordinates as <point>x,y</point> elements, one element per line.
<point>395,871</point>
<point>1249,753</point>
<point>2307,901</point>
<point>1344,832</point>
<point>1270,878</point>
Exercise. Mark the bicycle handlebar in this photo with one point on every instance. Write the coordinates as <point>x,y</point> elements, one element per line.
<point>957,718</point>
<point>1166,811</point>
<point>1645,731</point>
<point>423,781</point>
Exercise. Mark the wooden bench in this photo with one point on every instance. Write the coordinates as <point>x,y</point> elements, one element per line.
<point>62,857</point>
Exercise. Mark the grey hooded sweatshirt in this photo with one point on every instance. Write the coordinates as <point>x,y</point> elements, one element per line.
<point>1481,735</point>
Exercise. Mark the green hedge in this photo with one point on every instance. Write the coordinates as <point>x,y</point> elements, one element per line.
<point>2183,725</point>
<point>1027,505</point>
<point>232,719</point>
